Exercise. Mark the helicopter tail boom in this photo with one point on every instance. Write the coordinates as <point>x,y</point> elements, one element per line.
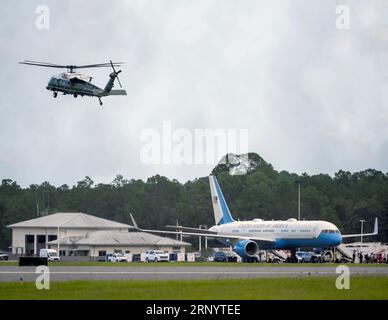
<point>110,83</point>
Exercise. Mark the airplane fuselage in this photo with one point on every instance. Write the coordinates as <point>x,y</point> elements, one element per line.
<point>287,234</point>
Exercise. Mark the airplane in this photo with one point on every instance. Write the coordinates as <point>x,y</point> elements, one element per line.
<point>74,83</point>
<point>246,237</point>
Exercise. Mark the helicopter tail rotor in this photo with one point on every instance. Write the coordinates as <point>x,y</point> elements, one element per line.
<point>116,73</point>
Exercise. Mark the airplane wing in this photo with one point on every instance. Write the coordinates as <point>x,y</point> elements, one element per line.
<point>203,233</point>
<point>190,229</point>
<point>375,232</point>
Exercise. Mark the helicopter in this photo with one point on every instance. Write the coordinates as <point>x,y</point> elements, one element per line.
<point>78,84</point>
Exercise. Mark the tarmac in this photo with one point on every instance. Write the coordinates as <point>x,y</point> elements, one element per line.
<point>58,273</point>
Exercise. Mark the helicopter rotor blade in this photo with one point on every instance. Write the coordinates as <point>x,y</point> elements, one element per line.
<point>41,64</point>
<point>70,67</point>
<point>117,64</point>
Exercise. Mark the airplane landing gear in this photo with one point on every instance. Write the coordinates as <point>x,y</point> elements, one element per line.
<point>75,95</point>
<point>293,256</point>
<point>99,99</point>
<point>55,94</point>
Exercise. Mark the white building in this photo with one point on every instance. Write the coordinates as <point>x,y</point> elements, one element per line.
<point>100,243</point>
<point>81,234</point>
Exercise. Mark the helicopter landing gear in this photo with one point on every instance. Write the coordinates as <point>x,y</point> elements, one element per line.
<point>75,95</point>
<point>55,94</point>
<point>99,99</point>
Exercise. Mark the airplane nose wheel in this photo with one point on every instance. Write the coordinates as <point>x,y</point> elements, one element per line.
<point>99,99</point>
<point>55,94</point>
<point>75,96</point>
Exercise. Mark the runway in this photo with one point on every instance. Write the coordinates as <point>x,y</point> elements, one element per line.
<point>57,273</point>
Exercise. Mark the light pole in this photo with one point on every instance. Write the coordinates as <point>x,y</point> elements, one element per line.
<point>200,242</point>
<point>200,238</point>
<point>58,241</point>
<point>298,182</point>
<point>205,226</point>
<point>362,228</point>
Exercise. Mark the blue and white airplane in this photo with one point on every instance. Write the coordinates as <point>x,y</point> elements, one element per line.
<point>247,237</point>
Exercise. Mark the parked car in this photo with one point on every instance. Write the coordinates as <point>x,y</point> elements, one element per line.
<point>156,256</point>
<point>50,254</point>
<point>222,256</point>
<point>3,256</point>
<point>117,257</point>
<point>303,256</point>
<point>323,256</point>
<point>327,256</point>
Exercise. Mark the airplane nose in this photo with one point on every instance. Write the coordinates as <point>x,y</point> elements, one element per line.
<point>337,239</point>
<point>332,240</point>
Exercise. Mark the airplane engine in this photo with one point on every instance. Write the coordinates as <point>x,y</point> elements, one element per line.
<point>246,248</point>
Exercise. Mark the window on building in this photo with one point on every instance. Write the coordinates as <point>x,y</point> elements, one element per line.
<point>102,253</point>
<point>136,257</point>
<point>29,244</point>
<point>51,237</point>
<point>41,242</point>
<point>82,253</point>
<point>118,251</point>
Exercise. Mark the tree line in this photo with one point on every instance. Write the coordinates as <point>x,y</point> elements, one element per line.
<point>262,192</point>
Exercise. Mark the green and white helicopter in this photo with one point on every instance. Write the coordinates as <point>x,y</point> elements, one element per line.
<point>78,84</point>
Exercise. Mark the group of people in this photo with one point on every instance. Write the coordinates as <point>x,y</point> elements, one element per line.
<point>370,258</point>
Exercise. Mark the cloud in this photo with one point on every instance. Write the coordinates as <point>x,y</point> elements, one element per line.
<point>312,97</point>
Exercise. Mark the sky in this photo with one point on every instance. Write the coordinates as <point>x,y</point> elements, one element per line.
<point>313,97</point>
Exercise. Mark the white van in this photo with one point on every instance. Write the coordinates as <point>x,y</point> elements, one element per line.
<point>50,254</point>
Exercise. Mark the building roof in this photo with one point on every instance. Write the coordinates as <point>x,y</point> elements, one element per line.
<point>70,220</point>
<point>117,238</point>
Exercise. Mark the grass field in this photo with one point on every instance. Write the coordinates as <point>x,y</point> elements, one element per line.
<point>186,264</point>
<point>234,289</point>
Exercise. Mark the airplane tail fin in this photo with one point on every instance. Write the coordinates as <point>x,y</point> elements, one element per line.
<point>221,211</point>
<point>376,227</point>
